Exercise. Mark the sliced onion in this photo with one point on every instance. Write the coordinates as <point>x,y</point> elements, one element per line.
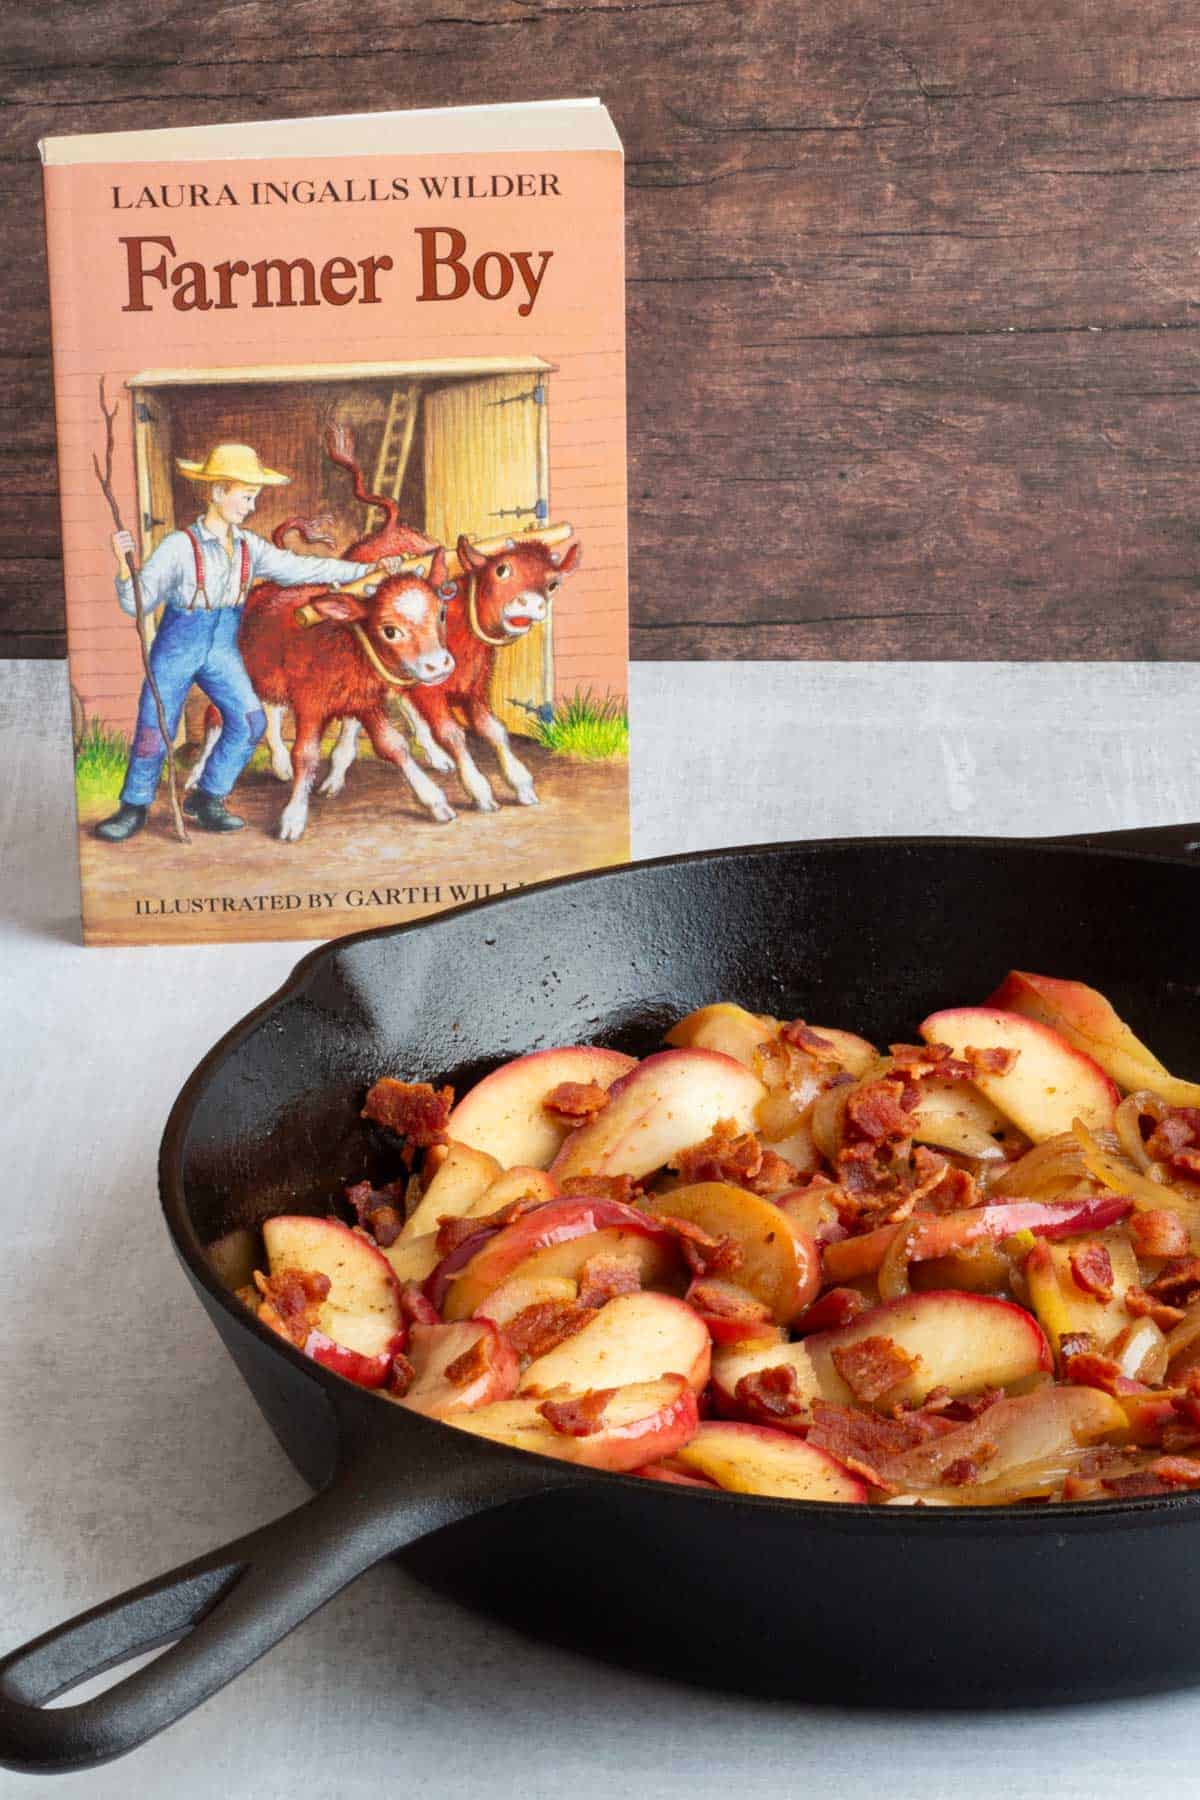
<point>1127,1123</point>
<point>1141,1352</point>
<point>1146,1195</point>
<point>1046,1172</point>
<point>1036,1481</point>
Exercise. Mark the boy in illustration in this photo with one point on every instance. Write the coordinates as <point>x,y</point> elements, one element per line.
<point>200,576</point>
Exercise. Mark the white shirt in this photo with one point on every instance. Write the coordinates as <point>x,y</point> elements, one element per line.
<point>169,572</point>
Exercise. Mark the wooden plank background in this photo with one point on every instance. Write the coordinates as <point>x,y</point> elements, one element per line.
<point>912,292</point>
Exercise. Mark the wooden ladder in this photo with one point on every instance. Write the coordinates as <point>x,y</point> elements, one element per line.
<point>395,443</point>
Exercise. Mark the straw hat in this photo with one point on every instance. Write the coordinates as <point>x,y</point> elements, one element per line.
<point>232,462</point>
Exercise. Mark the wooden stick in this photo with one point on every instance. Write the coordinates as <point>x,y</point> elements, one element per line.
<point>104,477</point>
<point>419,565</point>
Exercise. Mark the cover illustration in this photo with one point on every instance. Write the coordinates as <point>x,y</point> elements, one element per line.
<point>341,426</point>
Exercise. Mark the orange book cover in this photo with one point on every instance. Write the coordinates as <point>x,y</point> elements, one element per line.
<point>341,438</point>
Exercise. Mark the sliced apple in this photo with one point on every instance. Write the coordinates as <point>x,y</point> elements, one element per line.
<point>1088,1020</point>
<point>731,1314</point>
<point>954,1115</point>
<point>668,1103</point>
<point>754,1459</point>
<point>854,1053</point>
<point>729,1029</point>
<point>950,1234</point>
<point>361,1313</point>
<point>673,1477</point>
<point>521,1291</point>
<point>518,1183</point>
<point>639,1424</point>
<point>1063,1307</point>
<point>1014,1434</point>
<point>415,1258</point>
<point>556,1239</point>
<point>482,1364</point>
<point>731,1363</point>
<point>779,1263</point>
<point>963,1342</point>
<point>634,1338</point>
<point>1049,1084</point>
<point>503,1114</point>
<point>463,1175</point>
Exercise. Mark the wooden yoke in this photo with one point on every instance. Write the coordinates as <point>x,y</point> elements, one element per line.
<point>419,565</point>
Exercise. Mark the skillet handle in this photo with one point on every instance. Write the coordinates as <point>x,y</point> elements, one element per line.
<point>229,1607</point>
<point>1148,840</point>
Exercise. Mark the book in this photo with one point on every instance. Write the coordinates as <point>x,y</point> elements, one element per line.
<point>341,437</point>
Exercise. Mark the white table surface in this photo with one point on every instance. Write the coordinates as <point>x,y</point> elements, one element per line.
<point>128,1442</point>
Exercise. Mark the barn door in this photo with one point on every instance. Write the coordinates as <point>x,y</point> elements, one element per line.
<point>486,473</point>
<point>152,446</point>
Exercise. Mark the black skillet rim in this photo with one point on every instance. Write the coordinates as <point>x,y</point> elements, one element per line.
<point>964,1521</point>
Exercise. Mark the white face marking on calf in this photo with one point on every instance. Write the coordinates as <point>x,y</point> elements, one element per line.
<point>412,606</point>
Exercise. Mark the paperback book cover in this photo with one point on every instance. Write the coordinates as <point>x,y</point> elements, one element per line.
<point>341,437</point>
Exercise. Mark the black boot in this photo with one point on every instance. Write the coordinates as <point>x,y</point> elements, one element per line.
<point>209,812</point>
<point>123,823</point>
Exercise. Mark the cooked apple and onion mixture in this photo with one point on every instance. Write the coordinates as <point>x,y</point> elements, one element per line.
<point>774,1259</point>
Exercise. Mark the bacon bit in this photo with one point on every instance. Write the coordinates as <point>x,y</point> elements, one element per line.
<point>803,1037</point>
<point>722,1301</point>
<point>1179,1281</point>
<point>1141,1305</point>
<point>540,1328</point>
<point>1076,1343</point>
<point>604,1278</point>
<point>1178,1130</point>
<point>866,1441</point>
<point>412,1109</point>
<point>291,1299</point>
<point>473,1363</point>
<point>1091,1370</point>
<point>1187,1161</point>
<point>576,1100</point>
<point>580,1415</point>
<point>872,1366</point>
<point>453,1230</point>
<point>1135,1486</point>
<point>727,1154</point>
<point>990,1062</point>
<point>961,1411</point>
<point>776,1175</point>
<point>964,1470</point>
<point>1176,1437</point>
<point>881,1110</point>
<point>601,1187</point>
<point>770,1393</point>
<point>400,1376</point>
<point>1158,1234</point>
<point>379,1210</point>
<point>837,1306</point>
<point>940,1187</point>
<point>704,1254</point>
<point>1092,1270</point>
<point>416,1309</point>
<point>1179,1471</point>
<point>915,1061</point>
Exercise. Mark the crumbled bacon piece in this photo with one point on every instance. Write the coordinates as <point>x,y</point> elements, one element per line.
<point>540,1328</point>
<point>872,1366</point>
<point>968,1406</point>
<point>722,1300</point>
<point>1178,1283</point>
<point>1092,1270</point>
<point>401,1376</point>
<point>775,1176</point>
<point>1178,1471</point>
<point>473,1363</point>
<point>453,1230</point>
<point>881,1110</point>
<point>576,1101</point>
<point>379,1210</point>
<point>1158,1233</point>
<point>727,1154</point>
<point>990,1062</point>
<point>601,1187</point>
<point>1141,1305</point>
<point>771,1394</point>
<point>580,1415</point>
<point>938,1186</point>
<point>290,1300</point>
<point>604,1278</point>
<point>1091,1370</point>
<point>868,1438</point>
<point>1135,1486</point>
<point>1178,1130</point>
<point>915,1061</point>
<point>412,1109</point>
<point>837,1306</point>
<point>803,1037</point>
<point>964,1470</point>
<point>703,1253</point>
<point>1075,1343</point>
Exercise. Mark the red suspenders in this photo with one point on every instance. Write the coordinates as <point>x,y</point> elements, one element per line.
<point>201,596</point>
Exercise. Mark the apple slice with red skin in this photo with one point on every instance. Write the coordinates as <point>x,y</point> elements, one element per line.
<point>639,1424</point>
<point>949,1234</point>
<point>739,1319</point>
<point>503,1114</point>
<point>674,1477</point>
<point>1050,1083</point>
<point>779,1264</point>
<point>963,1342</point>
<point>1091,1024</point>
<point>361,1316</point>
<point>461,1177</point>
<point>520,1291</point>
<point>555,1239</point>
<point>731,1363</point>
<point>728,1029</point>
<point>1013,1434</point>
<point>756,1459</point>
<point>666,1104</point>
<point>633,1338</point>
<point>435,1348</point>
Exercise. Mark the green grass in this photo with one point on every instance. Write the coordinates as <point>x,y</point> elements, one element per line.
<point>590,729</point>
<point>100,767</point>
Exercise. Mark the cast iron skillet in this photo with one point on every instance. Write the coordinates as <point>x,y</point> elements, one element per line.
<point>812,1601</point>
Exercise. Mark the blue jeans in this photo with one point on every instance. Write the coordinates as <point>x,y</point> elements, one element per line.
<point>198,647</point>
